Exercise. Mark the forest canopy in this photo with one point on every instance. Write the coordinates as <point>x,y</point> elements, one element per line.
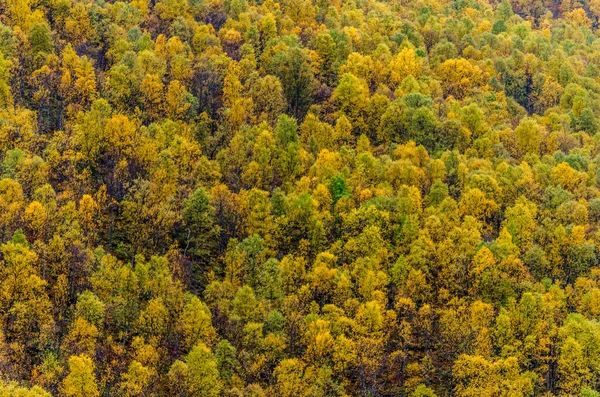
<point>299,198</point>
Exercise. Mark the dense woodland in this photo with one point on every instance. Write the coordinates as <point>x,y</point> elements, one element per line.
<point>299,198</point>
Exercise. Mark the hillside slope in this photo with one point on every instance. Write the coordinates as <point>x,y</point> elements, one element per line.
<point>299,198</point>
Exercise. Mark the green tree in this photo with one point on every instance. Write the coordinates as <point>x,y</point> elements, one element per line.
<point>291,67</point>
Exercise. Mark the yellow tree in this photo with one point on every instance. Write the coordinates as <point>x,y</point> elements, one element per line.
<point>459,76</point>
<point>529,137</point>
<point>175,100</point>
<point>198,375</point>
<point>477,376</point>
<point>406,63</point>
<point>152,91</point>
<point>352,97</point>
<point>81,380</point>
<point>6,99</point>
